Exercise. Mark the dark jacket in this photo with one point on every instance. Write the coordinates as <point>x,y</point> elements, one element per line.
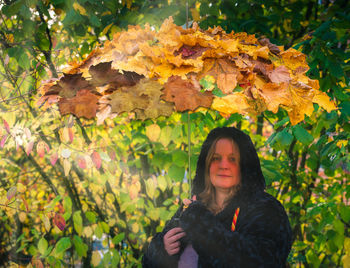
<point>262,237</point>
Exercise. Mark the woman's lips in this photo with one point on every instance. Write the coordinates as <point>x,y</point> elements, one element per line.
<point>223,175</point>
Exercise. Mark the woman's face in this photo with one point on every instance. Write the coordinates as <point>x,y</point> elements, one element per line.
<point>224,171</point>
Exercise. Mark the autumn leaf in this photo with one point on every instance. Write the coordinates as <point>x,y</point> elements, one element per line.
<point>153,132</point>
<point>6,125</point>
<point>29,147</point>
<point>53,158</point>
<point>185,94</point>
<point>69,85</point>
<point>81,162</point>
<point>96,159</point>
<point>230,104</point>
<point>84,104</point>
<point>66,166</point>
<point>59,221</point>
<point>322,99</point>
<point>103,74</point>
<point>11,192</point>
<point>279,75</point>
<point>275,95</point>
<point>41,147</point>
<point>3,140</point>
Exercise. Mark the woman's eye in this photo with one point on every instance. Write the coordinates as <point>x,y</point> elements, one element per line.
<point>215,158</point>
<point>232,159</point>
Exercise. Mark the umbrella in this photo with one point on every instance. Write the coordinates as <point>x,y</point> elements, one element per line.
<point>152,73</point>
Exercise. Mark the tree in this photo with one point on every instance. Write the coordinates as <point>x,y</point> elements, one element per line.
<point>66,181</point>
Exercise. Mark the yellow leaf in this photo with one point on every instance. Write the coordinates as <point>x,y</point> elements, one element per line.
<point>153,132</point>
<point>322,99</point>
<point>79,8</point>
<point>105,30</point>
<point>96,258</point>
<point>195,14</point>
<point>233,103</point>
<point>66,166</point>
<point>22,216</point>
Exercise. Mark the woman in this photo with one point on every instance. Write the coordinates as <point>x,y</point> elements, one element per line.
<point>231,221</point>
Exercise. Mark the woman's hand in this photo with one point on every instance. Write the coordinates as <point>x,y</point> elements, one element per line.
<point>187,202</point>
<point>171,240</point>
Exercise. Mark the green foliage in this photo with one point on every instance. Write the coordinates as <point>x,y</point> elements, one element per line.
<point>142,178</point>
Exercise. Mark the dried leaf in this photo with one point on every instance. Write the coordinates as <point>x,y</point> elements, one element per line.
<point>279,75</point>
<point>185,94</point>
<point>59,221</point>
<point>103,74</point>
<point>84,104</point>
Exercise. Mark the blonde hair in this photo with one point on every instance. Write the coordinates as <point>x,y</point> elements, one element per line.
<point>208,195</point>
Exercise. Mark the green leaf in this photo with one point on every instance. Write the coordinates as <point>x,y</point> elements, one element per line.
<point>98,231</point>
<point>344,212</point>
<point>62,245</point>
<point>42,245</point>
<point>90,216</point>
<point>78,222</point>
<point>95,21</point>
<point>217,92</point>
<point>13,9</point>
<point>80,246</point>
<point>67,204</point>
<point>118,238</point>
<point>302,135</point>
<point>180,158</point>
<point>176,172</point>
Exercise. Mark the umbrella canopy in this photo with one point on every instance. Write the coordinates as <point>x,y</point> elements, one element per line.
<point>153,73</point>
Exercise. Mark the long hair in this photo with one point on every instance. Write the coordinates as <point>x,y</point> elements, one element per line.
<point>208,197</point>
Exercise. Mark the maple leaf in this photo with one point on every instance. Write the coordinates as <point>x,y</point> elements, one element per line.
<point>275,95</point>
<point>185,94</point>
<point>273,48</point>
<point>102,74</point>
<point>322,99</point>
<point>294,60</point>
<point>279,74</point>
<point>232,103</point>
<point>224,71</point>
<point>69,85</point>
<point>84,104</point>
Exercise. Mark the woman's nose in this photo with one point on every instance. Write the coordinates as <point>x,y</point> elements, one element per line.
<point>224,163</point>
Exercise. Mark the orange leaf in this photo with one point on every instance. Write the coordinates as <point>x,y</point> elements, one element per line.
<point>37,263</point>
<point>185,94</point>
<point>84,104</point>
<point>41,147</point>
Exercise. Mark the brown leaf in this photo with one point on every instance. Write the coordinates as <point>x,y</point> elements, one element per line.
<point>185,95</point>
<point>69,85</point>
<point>279,74</point>
<point>84,104</point>
<point>102,74</point>
<point>273,48</point>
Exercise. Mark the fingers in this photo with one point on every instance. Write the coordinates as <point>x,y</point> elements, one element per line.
<point>187,202</point>
<point>171,240</point>
<point>194,198</point>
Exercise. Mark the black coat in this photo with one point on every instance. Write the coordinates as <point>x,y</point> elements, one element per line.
<point>262,237</point>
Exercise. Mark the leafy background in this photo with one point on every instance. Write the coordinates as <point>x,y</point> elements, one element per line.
<point>67,183</point>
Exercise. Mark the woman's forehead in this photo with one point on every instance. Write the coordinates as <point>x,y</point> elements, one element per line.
<point>226,144</point>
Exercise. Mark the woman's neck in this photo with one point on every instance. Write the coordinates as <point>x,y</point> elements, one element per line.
<point>221,197</point>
